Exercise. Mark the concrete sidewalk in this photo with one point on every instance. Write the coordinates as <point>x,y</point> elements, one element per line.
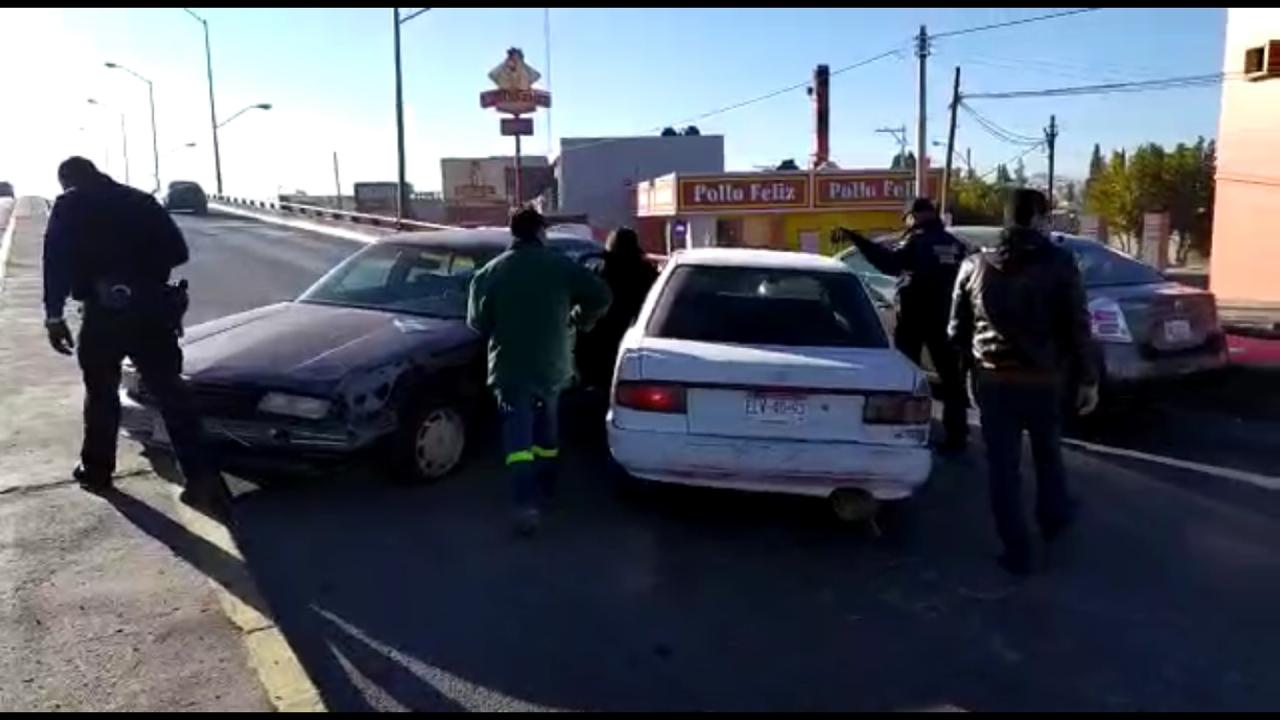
<point>106,601</point>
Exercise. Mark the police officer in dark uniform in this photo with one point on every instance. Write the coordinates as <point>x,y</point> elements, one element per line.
<point>926,261</point>
<point>112,247</point>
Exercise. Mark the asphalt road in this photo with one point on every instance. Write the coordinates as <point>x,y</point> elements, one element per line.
<point>393,598</point>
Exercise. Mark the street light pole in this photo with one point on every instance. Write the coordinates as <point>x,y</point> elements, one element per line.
<point>151,97</point>
<point>124,140</point>
<point>213,114</point>
<point>401,200</point>
<point>402,194</point>
<point>241,111</point>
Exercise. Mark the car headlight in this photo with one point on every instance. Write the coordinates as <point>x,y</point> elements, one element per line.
<point>308,408</point>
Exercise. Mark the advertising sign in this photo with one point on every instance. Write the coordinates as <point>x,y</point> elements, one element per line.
<point>744,193</point>
<point>517,126</point>
<point>514,80</point>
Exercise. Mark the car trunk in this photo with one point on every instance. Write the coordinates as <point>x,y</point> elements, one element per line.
<point>1168,319</point>
<point>776,391</point>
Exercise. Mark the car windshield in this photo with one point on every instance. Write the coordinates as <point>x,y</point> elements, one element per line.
<point>430,281</point>
<point>1100,266</point>
<point>767,306</point>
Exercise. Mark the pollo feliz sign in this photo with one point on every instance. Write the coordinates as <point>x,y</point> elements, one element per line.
<point>730,193</point>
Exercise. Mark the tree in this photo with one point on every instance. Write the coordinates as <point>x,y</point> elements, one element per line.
<point>668,132</point>
<point>692,130</point>
<point>901,162</point>
<point>1002,175</point>
<point>1020,174</point>
<point>976,202</point>
<point>788,164</point>
<point>1070,193</point>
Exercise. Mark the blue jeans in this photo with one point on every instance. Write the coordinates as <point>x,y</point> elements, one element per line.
<point>1008,408</point>
<point>530,444</point>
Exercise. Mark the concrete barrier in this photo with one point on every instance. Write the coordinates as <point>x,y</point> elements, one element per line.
<point>326,213</point>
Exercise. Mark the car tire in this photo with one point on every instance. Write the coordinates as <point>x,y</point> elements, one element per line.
<point>430,444</point>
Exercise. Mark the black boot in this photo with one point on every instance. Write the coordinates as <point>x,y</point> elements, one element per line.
<point>209,496</point>
<point>93,481</point>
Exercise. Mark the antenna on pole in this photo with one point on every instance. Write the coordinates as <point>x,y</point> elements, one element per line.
<point>546,43</point>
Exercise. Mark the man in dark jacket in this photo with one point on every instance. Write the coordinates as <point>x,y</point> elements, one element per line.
<point>926,261</point>
<point>629,275</point>
<point>527,302</point>
<point>112,248</point>
<point>1020,312</point>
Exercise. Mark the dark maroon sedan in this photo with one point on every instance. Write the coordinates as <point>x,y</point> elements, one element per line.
<point>376,355</point>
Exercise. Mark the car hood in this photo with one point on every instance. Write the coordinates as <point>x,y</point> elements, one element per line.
<point>311,348</point>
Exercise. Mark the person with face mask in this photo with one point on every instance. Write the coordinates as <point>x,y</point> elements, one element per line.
<point>527,303</point>
<point>112,247</point>
<point>926,262</point>
<point>1020,312</point>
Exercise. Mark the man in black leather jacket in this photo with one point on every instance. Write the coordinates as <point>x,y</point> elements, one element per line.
<point>926,260</point>
<point>1020,312</point>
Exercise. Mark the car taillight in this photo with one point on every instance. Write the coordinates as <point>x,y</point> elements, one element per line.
<point>1107,321</point>
<point>897,410</point>
<point>650,397</point>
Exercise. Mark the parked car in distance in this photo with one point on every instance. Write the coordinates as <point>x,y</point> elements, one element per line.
<point>1147,327</point>
<point>376,356</point>
<point>186,196</point>
<point>6,189</point>
<point>767,371</point>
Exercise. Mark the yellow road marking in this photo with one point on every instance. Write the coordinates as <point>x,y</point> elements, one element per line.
<point>282,676</point>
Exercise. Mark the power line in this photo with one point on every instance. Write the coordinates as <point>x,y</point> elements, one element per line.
<point>1011,23</point>
<point>1107,88</point>
<point>1013,159</point>
<point>998,132</point>
<point>738,105</point>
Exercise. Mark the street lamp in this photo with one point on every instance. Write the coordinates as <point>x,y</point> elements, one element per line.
<point>259,106</point>
<point>213,115</point>
<point>151,96</point>
<point>124,140</point>
<point>402,197</point>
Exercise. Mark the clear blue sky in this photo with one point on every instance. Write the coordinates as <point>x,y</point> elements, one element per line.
<point>614,71</point>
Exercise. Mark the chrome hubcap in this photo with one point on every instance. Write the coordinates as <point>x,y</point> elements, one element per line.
<point>439,442</point>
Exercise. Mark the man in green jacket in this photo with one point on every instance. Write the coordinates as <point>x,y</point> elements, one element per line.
<point>527,302</point>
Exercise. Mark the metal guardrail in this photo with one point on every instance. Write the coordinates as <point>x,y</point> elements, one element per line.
<point>355,218</point>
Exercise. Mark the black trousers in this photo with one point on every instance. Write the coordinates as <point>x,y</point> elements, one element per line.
<point>1008,407</point>
<point>107,337</point>
<point>910,337</point>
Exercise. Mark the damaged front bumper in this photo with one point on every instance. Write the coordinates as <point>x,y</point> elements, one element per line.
<point>266,434</point>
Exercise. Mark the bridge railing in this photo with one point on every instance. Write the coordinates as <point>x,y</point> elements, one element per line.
<point>324,213</point>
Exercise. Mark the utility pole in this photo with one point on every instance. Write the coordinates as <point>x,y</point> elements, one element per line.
<point>337,183</point>
<point>951,142</point>
<point>922,52</point>
<point>899,136</point>
<point>402,200</point>
<point>1050,138</point>
<point>213,114</point>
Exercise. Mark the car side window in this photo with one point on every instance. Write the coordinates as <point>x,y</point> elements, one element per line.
<point>372,273</point>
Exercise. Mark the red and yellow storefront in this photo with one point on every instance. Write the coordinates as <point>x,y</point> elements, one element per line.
<point>777,210</point>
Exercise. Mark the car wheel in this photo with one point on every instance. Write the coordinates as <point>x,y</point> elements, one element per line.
<point>431,444</point>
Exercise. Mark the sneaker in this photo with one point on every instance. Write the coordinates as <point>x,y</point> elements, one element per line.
<point>92,481</point>
<point>527,521</point>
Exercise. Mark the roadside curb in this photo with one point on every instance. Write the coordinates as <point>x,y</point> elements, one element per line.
<point>329,230</point>
<point>288,687</point>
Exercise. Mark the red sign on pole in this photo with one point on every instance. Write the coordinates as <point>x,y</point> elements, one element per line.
<point>517,126</point>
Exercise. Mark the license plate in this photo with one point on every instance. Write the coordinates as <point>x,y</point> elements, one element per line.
<point>1177,331</point>
<point>159,433</point>
<point>777,409</point>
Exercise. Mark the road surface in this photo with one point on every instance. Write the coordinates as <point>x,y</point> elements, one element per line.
<point>419,598</point>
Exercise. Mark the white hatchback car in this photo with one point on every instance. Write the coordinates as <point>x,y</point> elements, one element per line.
<point>768,371</point>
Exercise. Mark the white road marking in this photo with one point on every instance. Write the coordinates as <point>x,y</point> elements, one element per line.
<point>1267,482</point>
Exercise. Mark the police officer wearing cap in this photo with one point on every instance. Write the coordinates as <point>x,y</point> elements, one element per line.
<point>112,247</point>
<point>926,262</point>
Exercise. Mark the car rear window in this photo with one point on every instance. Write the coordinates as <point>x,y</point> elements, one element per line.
<point>765,306</point>
<point>1100,266</point>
